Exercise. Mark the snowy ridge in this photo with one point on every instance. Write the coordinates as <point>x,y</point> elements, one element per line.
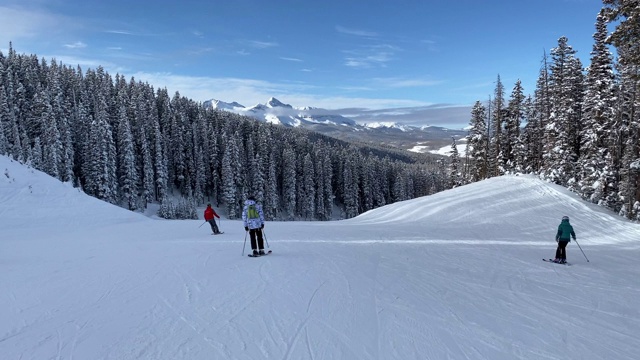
<point>390,125</point>
<point>528,200</point>
<point>454,275</point>
<point>276,112</point>
<point>31,198</point>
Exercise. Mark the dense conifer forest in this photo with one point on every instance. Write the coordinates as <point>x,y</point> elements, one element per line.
<point>581,125</point>
<point>123,142</point>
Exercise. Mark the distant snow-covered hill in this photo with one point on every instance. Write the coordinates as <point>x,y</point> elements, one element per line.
<point>276,112</point>
<point>330,122</point>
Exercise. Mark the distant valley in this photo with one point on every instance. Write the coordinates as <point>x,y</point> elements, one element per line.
<point>426,139</point>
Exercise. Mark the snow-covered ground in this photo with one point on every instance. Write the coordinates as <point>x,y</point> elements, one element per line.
<point>456,275</point>
<point>461,146</point>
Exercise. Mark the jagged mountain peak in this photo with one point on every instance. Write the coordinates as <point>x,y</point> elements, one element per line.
<point>273,102</point>
<point>219,104</point>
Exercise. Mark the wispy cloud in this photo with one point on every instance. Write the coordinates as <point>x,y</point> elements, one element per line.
<point>119,32</point>
<point>356,32</point>
<point>405,83</point>
<point>432,45</point>
<point>370,56</point>
<point>19,23</point>
<point>200,51</point>
<point>262,44</point>
<point>76,45</point>
<point>291,59</point>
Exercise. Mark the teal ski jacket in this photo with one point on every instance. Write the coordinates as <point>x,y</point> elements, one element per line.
<point>565,231</point>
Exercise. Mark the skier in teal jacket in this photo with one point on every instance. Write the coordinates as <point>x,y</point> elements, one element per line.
<point>563,236</point>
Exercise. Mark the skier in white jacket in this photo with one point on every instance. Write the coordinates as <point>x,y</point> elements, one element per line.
<point>253,219</point>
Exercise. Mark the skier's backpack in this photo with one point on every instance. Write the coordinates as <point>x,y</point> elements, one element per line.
<point>252,212</point>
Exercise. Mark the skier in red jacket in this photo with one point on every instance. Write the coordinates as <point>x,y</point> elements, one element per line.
<point>209,216</point>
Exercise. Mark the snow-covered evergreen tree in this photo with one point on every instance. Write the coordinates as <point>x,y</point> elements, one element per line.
<point>126,172</point>
<point>289,182</point>
<point>308,179</point>
<point>477,143</point>
<point>596,163</point>
<point>625,14</point>
<point>495,159</point>
<point>230,169</point>
<point>562,129</point>
<point>511,146</point>
<point>455,177</point>
<point>5,119</point>
<point>271,198</point>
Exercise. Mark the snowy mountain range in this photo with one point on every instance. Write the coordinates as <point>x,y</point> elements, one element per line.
<point>331,123</point>
<point>276,112</point>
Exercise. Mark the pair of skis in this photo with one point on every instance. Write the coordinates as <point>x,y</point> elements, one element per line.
<point>265,254</point>
<point>555,262</point>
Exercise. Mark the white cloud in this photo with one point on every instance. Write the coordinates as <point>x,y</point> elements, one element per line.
<point>356,32</point>
<point>291,59</point>
<point>76,45</point>
<point>18,23</point>
<point>119,32</point>
<point>262,44</point>
<point>404,83</point>
<point>370,56</point>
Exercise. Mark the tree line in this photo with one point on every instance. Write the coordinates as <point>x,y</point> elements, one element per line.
<point>581,125</point>
<point>124,142</point>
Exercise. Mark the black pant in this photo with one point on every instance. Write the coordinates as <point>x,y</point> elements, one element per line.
<point>561,252</point>
<point>214,226</point>
<point>253,233</point>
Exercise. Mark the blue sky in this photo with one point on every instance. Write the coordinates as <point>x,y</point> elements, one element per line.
<point>417,62</point>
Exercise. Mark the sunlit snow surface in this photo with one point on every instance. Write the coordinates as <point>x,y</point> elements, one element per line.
<point>456,275</point>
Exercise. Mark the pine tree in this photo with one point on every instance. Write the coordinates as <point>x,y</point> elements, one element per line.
<point>230,164</point>
<point>596,163</point>
<point>350,187</point>
<point>496,152</point>
<point>308,178</point>
<point>538,117</point>
<point>477,143</point>
<point>127,173</point>
<point>455,178</point>
<point>4,121</point>
<point>289,182</point>
<point>51,144</point>
<point>625,146</point>
<point>561,132</point>
<point>511,140</point>
<point>328,196</point>
<point>36,154</point>
<point>271,203</point>
<point>625,13</point>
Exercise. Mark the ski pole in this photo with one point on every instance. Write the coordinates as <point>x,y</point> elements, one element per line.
<point>245,242</point>
<point>585,256</point>
<point>264,234</point>
<point>202,224</point>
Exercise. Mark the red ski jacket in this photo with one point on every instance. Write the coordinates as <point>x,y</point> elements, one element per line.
<point>209,213</point>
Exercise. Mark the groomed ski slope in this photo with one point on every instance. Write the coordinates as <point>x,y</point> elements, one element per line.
<point>455,275</point>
